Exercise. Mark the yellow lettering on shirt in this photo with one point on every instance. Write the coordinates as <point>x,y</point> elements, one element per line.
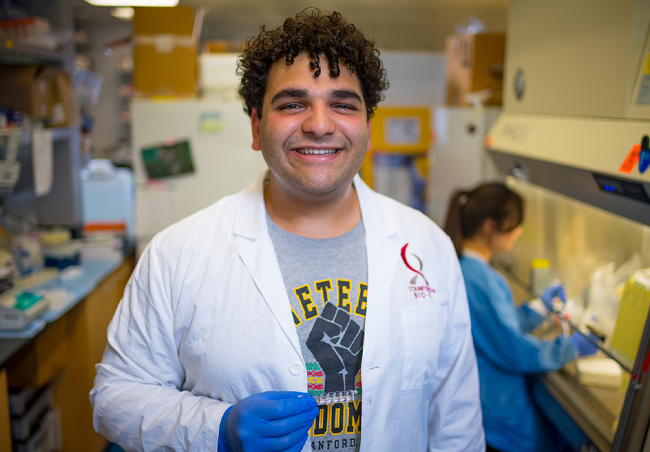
<point>343,286</point>
<point>309,308</point>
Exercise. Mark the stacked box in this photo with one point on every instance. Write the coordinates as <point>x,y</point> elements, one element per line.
<point>164,51</point>
<point>474,63</point>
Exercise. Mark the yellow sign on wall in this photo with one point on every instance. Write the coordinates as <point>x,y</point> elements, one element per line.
<point>401,129</point>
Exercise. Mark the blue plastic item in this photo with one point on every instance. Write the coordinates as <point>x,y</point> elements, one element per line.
<point>274,420</point>
<point>27,299</point>
<point>583,346</point>
<point>556,290</point>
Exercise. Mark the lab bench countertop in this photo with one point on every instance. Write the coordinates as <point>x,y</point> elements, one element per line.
<point>64,289</point>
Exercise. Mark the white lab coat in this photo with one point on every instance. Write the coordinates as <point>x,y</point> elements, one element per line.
<point>205,322</point>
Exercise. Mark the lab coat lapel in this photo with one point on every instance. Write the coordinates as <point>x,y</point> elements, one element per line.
<point>260,260</point>
<point>382,256</point>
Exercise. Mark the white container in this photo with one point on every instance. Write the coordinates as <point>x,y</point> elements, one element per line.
<point>599,371</point>
<point>107,195</point>
<point>62,255</point>
<point>27,253</point>
<point>47,438</point>
<point>21,427</point>
<point>19,401</point>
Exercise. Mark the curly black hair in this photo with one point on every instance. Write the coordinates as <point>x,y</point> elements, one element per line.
<point>316,34</point>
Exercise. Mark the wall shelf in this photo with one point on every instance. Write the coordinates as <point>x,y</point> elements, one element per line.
<point>16,53</point>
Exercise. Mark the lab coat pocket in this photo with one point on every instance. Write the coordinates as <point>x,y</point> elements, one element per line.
<point>421,327</point>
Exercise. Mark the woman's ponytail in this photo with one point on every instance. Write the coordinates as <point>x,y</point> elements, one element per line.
<point>454,225</point>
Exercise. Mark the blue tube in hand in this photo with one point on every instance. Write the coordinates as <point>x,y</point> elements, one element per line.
<point>268,422</point>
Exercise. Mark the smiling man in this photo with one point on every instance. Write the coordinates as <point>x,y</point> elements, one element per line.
<point>306,312</point>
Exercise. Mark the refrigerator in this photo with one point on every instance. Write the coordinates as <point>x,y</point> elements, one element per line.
<point>458,159</point>
<point>218,136</point>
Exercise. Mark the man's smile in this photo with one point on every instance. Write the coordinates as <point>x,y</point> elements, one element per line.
<point>312,151</point>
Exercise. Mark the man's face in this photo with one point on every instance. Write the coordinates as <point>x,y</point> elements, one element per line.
<point>314,132</point>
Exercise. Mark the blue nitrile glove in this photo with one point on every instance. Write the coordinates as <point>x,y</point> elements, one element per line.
<point>272,421</point>
<point>556,290</point>
<point>582,345</point>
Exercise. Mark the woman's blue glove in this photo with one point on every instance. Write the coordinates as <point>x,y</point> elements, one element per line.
<point>268,422</point>
<point>583,346</point>
<point>556,290</point>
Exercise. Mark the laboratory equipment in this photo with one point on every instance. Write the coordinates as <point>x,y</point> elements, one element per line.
<point>569,145</point>
<point>335,397</point>
<point>566,132</point>
<point>18,307</point>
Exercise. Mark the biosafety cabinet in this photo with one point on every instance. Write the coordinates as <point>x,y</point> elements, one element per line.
<point>574,138</point>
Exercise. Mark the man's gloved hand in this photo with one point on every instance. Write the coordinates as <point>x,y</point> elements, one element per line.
<point>272,421</point>
<point>556,290</point>
<point>582,345</point>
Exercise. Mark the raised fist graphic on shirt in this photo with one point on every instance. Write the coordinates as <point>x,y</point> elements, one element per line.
<point>336,342</point>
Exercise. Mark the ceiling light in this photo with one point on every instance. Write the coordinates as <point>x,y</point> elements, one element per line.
<point>123,13</point>
<point>133,2</point>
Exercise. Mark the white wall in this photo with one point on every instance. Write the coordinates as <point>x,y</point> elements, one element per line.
<point>416,78</point>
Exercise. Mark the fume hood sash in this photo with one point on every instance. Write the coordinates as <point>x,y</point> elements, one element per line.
<point>578,157</point>
<point>596,145</point>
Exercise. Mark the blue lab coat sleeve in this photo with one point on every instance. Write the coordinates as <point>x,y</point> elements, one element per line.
<point>529,319</point>
<point>496,327</point>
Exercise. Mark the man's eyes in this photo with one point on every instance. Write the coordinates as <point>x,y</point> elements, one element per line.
<point>345,106</point>
<point>297,106</point>
<point>290,106</point>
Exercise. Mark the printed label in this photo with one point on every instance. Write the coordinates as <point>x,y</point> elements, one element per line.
<point>631,160</point>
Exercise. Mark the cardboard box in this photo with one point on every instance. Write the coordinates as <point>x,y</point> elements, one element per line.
<point>469,61</point>
<point>65,109</point>
<point>42,358</point>
<point>164,51</point>
<point>24,88</point>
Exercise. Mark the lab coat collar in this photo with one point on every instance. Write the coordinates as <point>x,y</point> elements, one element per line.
<point>250,215</point>
<point>377,221</point>
<point>250,220</point>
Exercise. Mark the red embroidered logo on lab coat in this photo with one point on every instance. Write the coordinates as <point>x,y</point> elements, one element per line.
<point>419,291</point>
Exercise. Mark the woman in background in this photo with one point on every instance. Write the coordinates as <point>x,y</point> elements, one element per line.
<point>482,222</point>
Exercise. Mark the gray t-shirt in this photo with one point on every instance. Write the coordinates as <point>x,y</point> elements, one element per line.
<point>326,281</point>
